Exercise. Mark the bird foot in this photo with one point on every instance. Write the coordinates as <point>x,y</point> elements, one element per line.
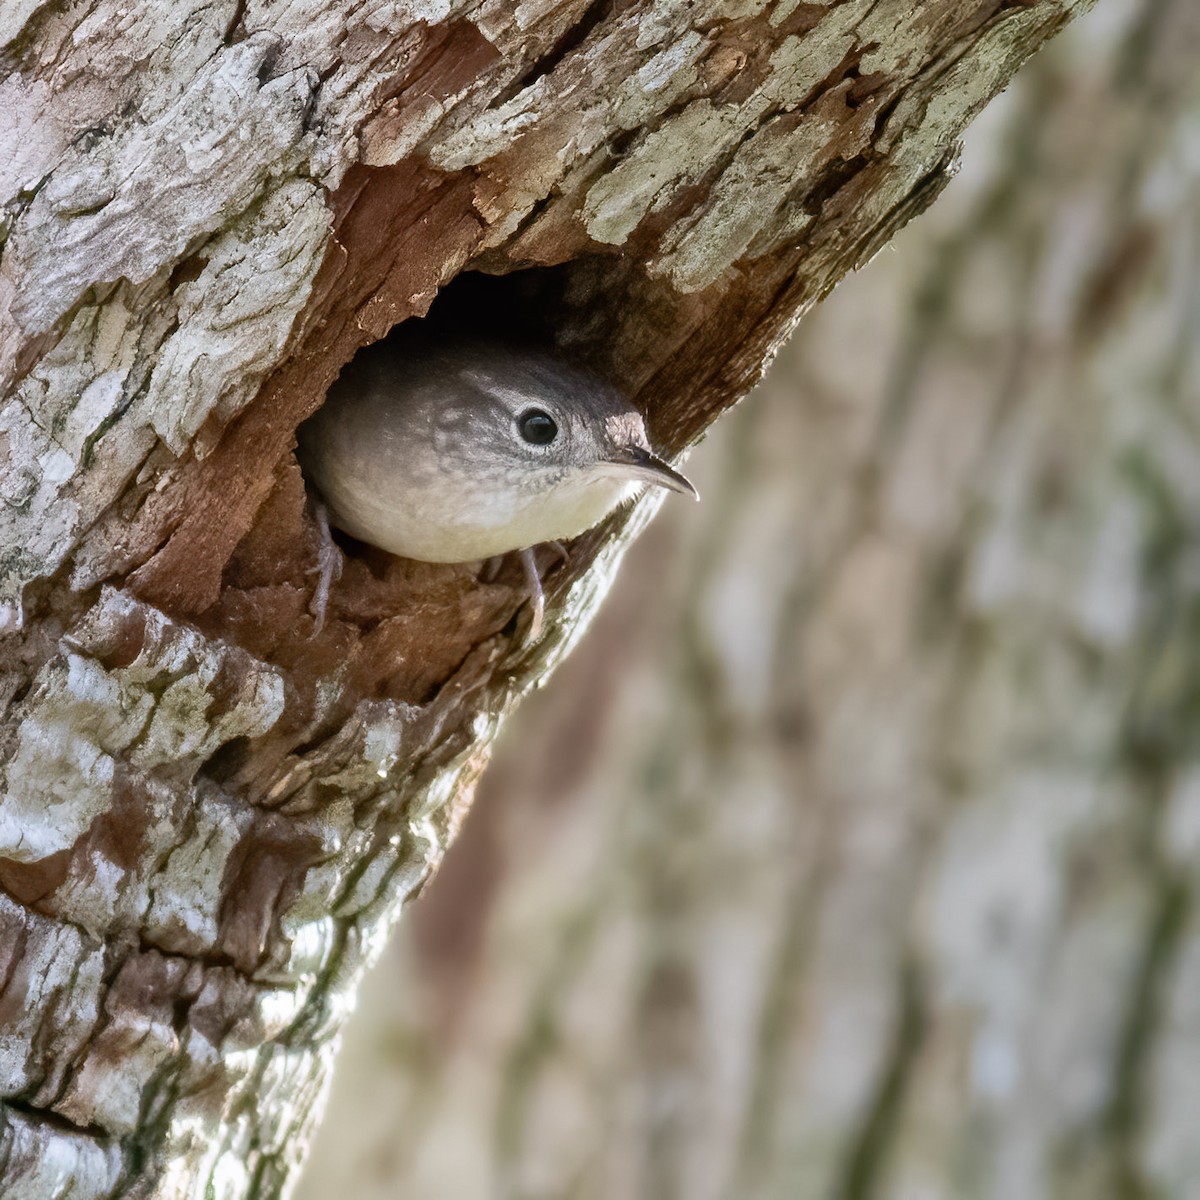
<point>533,578</point>
<point>537,596</point>
<point>328,569</point>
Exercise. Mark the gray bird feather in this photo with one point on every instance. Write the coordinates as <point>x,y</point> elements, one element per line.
<point>419,450</point>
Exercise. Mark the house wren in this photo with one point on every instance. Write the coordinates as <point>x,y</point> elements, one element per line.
<point>469,449</point>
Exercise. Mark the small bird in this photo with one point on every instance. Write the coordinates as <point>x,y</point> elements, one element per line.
<point>465,450</point>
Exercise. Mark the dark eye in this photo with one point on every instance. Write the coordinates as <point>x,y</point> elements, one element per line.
<point>537,427</point>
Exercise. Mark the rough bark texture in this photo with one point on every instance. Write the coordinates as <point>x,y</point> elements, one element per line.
<point>211,816</point>
<point>854,854</point>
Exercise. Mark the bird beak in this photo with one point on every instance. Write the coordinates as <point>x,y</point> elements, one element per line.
<point>638,463</point>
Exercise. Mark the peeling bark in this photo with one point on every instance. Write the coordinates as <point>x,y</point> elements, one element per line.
<point>212,814</point>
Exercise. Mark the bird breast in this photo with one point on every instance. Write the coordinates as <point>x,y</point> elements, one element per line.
<point>465,519</point>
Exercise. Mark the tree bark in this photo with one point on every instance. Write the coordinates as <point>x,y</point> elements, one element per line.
<point>854,855</point>
<point>212,814</point>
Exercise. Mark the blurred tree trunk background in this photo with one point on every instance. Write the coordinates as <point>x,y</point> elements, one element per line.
<point>854,853</point>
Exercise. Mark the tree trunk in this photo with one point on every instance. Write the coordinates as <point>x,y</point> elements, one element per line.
<point>212,813</point>
<point>854,855</point>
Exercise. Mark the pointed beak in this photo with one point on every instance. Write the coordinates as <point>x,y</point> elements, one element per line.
<point>635,462</point>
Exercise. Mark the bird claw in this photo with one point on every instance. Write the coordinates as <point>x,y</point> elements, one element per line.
<point>328,569</point>
<point>537,596</point>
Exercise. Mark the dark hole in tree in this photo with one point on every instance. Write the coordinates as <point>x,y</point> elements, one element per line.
<point>523,307</point>
<point>225,762</point>
<point>558,308</point>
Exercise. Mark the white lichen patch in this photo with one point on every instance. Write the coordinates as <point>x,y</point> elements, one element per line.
<point>184,726</point>
<point>51,1005</point>
<point>235,317</point>
<point>50,1161</point>
<point>31,138</point>
<point>312,944</point>
<point>61,776</point>
<point>743,202</point>
<point>181,901</point>
<point>574,110</point>
<point>98,1093</point>
<point>676,154</point>
<point>164,713</point>
<point>141,196</point>
<point>66,446</point>
<point>13,17</point>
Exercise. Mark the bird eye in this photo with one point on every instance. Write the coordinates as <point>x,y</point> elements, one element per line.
<point>537,427</point>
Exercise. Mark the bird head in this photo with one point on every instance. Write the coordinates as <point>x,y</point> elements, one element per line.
<point>536,420</point>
